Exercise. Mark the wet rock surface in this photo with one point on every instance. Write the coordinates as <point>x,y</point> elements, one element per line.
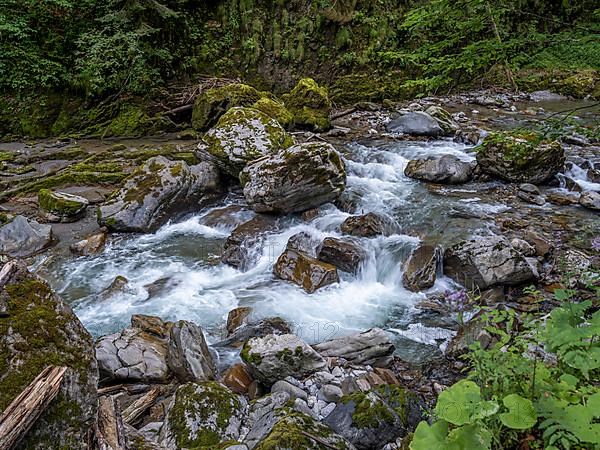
<point>372,347</point>
<point>445,169</point>
<point>20,237</point>
<point>309,273</point>
<point>417,123</point>
<point>344,254</point>
<point>240,247</point>
<point>367,225</point>
<point>421,268</point>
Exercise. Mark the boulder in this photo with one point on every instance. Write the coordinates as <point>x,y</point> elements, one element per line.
<point>61,206</point>
<point>237,378</point>
<point>241,136</point>
<point>520,157</point>
<point>444,120</point>
<point>133,354</point>
<point>421,268</point>
<point>344,254</point>
<point>275,110</point>
<point>274,357</point>
<point>20,237</point>
<point>242,247</point>
<point>530,193</point>
<point>590,200</point>
<point>237,317</point>
<point>484,262</point>
<point>38,329</point>
<point>157,191</point>
<point>270,325</point>
<point>416,123</point>
<point>203,415</point>
<point>310,105</point>
<point>188,355</point>
<point>211,104</point>
<point>152,324</point>
<point>309,273</point>
<point>446,169</point>
<point>91,245</point>
<point>372,347</point>
<point>295,179</point>
<point>562,197</point>
<point>366,225</point>
<point>303,242</point>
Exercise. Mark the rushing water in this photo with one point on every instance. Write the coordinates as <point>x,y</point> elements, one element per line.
<point>175,273</point>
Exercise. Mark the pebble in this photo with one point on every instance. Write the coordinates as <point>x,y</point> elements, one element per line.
<point>327,409</point>
<point>293,391</point>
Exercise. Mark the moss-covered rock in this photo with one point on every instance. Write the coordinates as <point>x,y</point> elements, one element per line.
<point>38,331</point>
<point>275,110</point>
<point>310,105</point>
<point>520,157</point>
<point>579,84</point>
<point>61,206</point>
<point>243,135</point>
<point>203,415</point>
<point>213,103</point>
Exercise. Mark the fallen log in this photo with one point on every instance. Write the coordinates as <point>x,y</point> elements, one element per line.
<point>136,410</point>
<point>110,430</point>
<point>18,418</point>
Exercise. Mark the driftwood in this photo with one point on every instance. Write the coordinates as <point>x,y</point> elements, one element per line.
<point>136,410</point>
<point>110,430</point>
<point>129,388</point>
<point>18,418</point>
<point>343,113</point>
<point>179,109</point>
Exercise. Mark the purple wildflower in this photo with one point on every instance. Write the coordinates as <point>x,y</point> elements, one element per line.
<point>458,299</point>
<point>596,244</point>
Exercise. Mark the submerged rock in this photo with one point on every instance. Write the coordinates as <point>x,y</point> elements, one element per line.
<point>61,206</point>
<point>203,415</point>
<point>417,124</point>
<point>241,136</point>
<point>295,179</point>
<point>91,245</point>
<point>446,169</point>
<point>242,247</point>
<point>367,225</point>
<point>310,105</point>
<point>188,355</point>
<point>157,191</point>
<point>372,347</point>
<point>213,103</point>
<point>309,273</point>
<point>274,357</point>
<point>520,157</point>
<point>20,237</point>
<point>484,262</point>
<point>345,255</point>
<point>421,268</point>
<point>37,330</point>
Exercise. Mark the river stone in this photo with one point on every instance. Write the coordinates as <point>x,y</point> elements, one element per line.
<point>345,255</point>
<point>303,242</point>
<point>483,262</point>
<point>517,158</point>
<point>562,197</point>
<point>237,317</point>
<point>293,391</point>
<point>211,104</point>
<point>242,247</point>
<point>91,245</point>
<point>188,355</point>
<point>275,110</point>
<point>157,191</point>
<point>237,378</point>
<point>446,169</point>
<point>203,415</point>
<point>366,225</point>
<point>274,357</point>
<point>270,325</point>
<point>416,123</point>
<point>421,268</point>
<point>590,200</point>
<point>298,178</point>
<point>310,105</point>
<point>372,347</point>
<point>309,273</point>
<point>444,119</point>
<point>37,330</point>
<point>20,237</point>
<point>132,354</point>
<point>152,324</point>
<point>241,136</point>
<point>61,206</point>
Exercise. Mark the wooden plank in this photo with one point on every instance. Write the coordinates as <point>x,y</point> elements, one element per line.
<point>18,418</point>
<point>110,431</point>
<point>136,410</point>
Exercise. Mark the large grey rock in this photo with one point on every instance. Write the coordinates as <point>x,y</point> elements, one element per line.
<point>367,225</point>
<point>295,179</point>
<point>243,246</point>
<point>37,329</point>
<point>157,191</point>
<point>274,357</point>
<point>188,356</point>
<point>446,169</point>
<point>444,120</point>
<point>309,273</point>
<point>343,254</point>
<point>484,262</point>
<point>132,354</point>
<point>203,415</point>
<point>421,268</point>
<point>372,347</point>
<point>20,237</point>
<point>590,200</point>
<point>241,136</point>
<point>415,123</point>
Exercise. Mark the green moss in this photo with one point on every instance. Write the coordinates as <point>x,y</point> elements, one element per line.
<point>580,84</point>
<point>397,398</point>
<point>275,110</point>
<point>515,147</point>
<point>131,121</point>
<point>310,105</point>
<point>4,219</point>
<point>368,412</point>
<point>7,156</point>
<point>189,157</point>
<point>250,358</point>
<point>58,204</point>
<point>144,184</point>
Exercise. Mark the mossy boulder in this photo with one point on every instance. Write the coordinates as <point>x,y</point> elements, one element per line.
<point>243,135</point>
<point>61,206</point>
<point>310,105</point>
<point>295,179</point>
<point>158,190</point>
<point>203,415</point>
<point>580,84</point>
<point>520,157</point>
<point>275,110</point>
<point>39,330</point>
<point>308,273</point>
<point>213,103</point>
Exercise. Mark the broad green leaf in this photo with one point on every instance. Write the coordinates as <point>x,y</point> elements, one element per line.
<point>431,437</point>
<point>521,414</point>
<point>470,437</point>
<point>461,404</point>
